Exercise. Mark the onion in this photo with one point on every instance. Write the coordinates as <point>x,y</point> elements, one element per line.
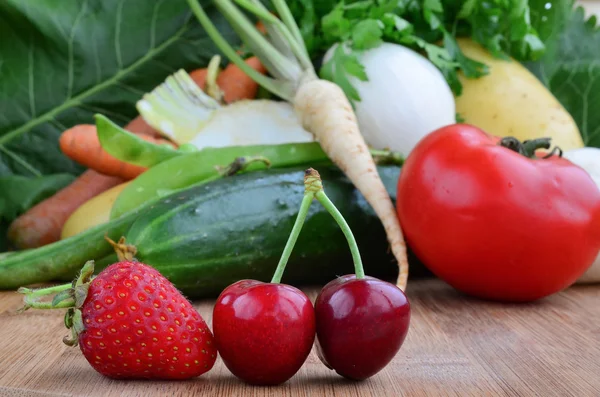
<point>588,158</point>
<point>405,98</point>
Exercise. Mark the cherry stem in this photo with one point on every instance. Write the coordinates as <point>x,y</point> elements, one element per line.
<point>336,214</point>
<point>289,246</point>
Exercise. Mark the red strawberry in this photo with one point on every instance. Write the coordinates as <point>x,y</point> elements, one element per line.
<point>131,322</point>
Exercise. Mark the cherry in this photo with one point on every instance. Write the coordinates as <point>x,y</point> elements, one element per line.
<point>361,321</point>
<point>361,325</point>
<point>263,331</point>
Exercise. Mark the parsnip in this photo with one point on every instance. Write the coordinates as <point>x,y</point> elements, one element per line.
<point>321,105</point>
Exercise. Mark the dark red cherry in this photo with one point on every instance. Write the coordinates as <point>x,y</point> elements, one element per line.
<point>361,325</point>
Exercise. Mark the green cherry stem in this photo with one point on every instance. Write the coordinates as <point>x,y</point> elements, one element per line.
<point>289,246</point>
<point>337,215</point>
<point>316,186</point>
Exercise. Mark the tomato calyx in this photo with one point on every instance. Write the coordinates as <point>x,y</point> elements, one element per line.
<point>528,148</point>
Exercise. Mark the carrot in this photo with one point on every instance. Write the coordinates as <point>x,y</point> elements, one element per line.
<point>199,77</point>
<point>235,84</point>
<point>42,223</point>
<point>81,144</point>
<point>139,126</point>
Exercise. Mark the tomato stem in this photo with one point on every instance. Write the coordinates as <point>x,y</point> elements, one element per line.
<point>289,246</point>
<point>528,148</point>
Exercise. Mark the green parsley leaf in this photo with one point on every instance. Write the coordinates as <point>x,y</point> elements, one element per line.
<point>367,34</point>
<point>335,26</point>
<point>340,67</point>
<point>428,26</point>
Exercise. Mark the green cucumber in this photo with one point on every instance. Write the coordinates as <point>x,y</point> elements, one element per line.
<point>209,236</point>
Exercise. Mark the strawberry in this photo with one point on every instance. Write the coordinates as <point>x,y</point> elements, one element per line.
<point>130,322</point>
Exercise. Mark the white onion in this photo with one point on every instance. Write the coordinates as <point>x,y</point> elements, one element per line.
<point>405,98</point>
<point>588,158</point>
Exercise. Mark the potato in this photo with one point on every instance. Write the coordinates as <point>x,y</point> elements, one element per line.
<point>511,101</point>
<point>93,212</point>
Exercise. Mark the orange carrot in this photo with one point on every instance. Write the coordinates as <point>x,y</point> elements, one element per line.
<point>139,126</point>
<point>43,222</point>
<point>199,77</point>
<point>235,84</point>
<point>81,144</point>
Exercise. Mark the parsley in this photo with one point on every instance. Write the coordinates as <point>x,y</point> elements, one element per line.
<point>427,26</point>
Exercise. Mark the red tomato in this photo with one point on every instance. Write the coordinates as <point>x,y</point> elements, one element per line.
<point>494,223</point>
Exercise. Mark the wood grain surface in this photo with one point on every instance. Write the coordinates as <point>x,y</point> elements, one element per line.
<point>456,346</point>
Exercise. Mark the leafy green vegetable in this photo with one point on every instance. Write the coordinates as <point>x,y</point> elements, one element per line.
<point>20,193</point>
<point>570,68</point>
<point>429,26</point>
<point>503,27</point>
<point>62,62</point>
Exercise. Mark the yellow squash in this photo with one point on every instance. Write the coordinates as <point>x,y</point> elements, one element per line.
<point>511,101</point>
<point>93,212</point>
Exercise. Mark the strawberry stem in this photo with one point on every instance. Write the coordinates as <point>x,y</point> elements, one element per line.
<point>67,296</point>
<point>32,297</point>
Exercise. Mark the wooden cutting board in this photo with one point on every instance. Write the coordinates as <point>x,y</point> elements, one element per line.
<point>456,346</point>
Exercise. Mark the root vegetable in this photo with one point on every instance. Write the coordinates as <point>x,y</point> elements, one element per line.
<point>43,223</point>
<point>81,144</point>
<point>321,106</point>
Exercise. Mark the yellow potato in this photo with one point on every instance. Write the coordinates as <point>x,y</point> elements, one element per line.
<point>93,212</point>
<point>511,101</point>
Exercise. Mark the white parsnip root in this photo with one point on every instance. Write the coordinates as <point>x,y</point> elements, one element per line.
<point>321,105</point>
<point>326,112</point>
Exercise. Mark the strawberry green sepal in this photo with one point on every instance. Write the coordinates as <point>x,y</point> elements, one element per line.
<point>67,296</point>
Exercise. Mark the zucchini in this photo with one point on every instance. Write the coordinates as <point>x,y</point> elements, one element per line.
<point>207,237</point>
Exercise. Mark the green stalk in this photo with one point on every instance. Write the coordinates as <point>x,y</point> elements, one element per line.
<point>288,19</point>
<point>316,186</point>
<point>278,88</point>
<point>289,246</point>
<point>32,297</point>
<point>297,47</point>
<point>288,68</point>
<point>260,46</point>
<point>313,188</point>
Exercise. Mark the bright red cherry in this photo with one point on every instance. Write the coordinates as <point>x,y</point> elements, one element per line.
<point>263,331</point>
<point>361,325</point>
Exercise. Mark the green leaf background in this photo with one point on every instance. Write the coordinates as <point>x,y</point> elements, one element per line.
<point>63,61</point>
<point>570,67</point>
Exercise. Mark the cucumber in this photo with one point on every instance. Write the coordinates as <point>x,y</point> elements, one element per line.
<point>207,237</point>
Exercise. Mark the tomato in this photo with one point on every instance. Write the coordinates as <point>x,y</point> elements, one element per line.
<point>493,222</point>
